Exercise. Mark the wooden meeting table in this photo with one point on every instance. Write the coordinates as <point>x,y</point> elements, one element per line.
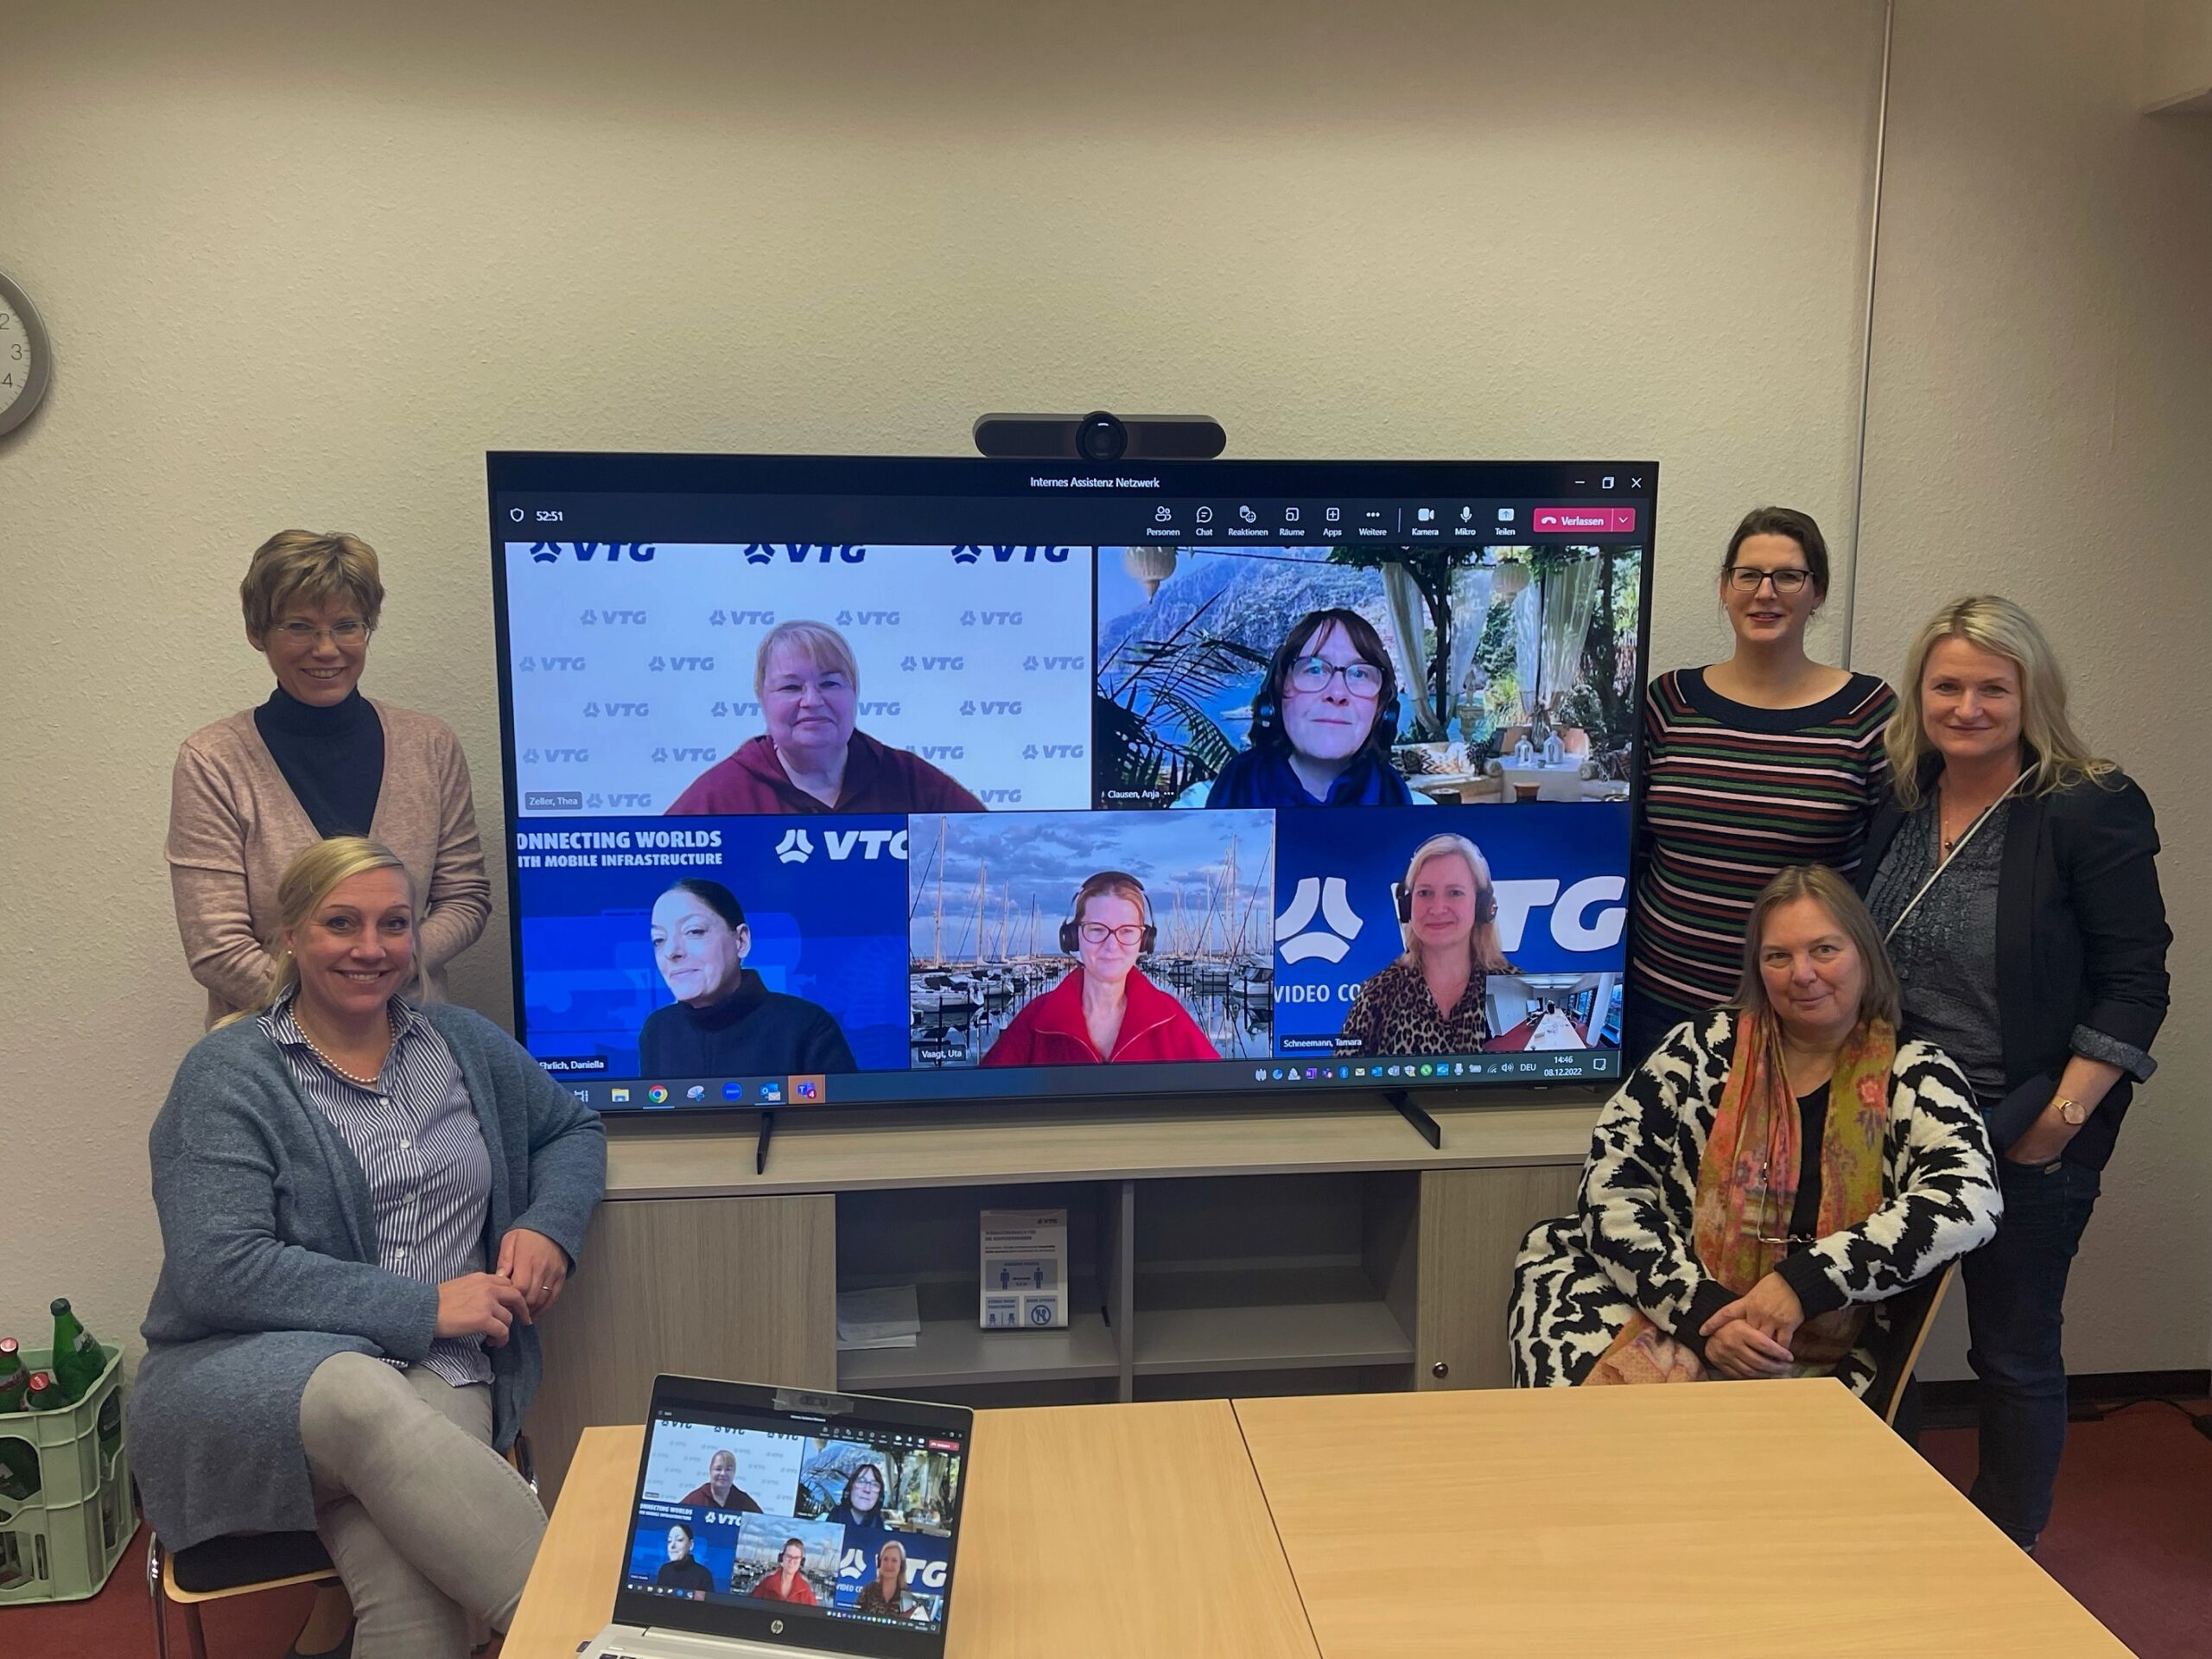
<point>1127,1529</point>
<point>1772,1520</point>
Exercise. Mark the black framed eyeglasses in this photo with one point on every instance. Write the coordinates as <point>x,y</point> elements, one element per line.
<point>1311,675</point>
<point>1746,579</point>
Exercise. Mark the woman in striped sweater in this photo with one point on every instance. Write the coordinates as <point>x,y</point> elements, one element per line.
<point>1764,760</point>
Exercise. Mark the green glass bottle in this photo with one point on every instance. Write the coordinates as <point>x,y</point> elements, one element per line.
<point>44,1394</point>
<point>13,1377</point>
<point>78,1361</point>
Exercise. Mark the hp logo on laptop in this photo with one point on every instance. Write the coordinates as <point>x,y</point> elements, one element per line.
<point>776,1627</point>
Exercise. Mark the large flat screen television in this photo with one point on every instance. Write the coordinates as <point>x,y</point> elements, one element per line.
<point>894,781</point>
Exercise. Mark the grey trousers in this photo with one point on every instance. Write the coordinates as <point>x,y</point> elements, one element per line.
<point>428,1527</point>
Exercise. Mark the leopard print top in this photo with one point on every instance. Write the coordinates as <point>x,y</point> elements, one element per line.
<point>1394,1013</point>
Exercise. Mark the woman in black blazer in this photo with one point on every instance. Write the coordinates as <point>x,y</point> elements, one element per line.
<point>2016,876</point>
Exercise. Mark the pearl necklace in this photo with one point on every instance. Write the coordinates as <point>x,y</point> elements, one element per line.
<point>391,1027</point>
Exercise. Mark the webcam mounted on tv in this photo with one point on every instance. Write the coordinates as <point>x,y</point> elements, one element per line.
<point>1099,436</point>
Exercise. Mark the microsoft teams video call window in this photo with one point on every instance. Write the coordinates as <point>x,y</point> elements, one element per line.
<point>896,780</point>
<point>854,1523</point>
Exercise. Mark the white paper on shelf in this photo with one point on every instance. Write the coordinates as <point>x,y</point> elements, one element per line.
<point>1025,1270</point>
<point>885,1316</point>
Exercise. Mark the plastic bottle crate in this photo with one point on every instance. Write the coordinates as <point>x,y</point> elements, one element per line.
<point>61,1543</point>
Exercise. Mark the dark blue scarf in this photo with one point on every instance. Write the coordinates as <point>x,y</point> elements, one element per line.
<point>1258,778</point>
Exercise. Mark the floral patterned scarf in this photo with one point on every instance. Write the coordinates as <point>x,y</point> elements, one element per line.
<point>1747,1189</point>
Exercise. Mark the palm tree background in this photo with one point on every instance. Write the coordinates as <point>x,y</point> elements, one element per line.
<point>1150,722</point>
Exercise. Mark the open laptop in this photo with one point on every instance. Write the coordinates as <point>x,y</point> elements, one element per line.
<point>782,1520</point>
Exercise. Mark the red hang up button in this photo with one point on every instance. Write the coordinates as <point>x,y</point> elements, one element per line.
<point>1582,520</point>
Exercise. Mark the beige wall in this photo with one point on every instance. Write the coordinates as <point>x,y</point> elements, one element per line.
<point>309,277</point>
<point>2042,421</point>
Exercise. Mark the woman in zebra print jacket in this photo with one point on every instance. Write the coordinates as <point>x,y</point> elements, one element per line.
<point>1766,1179</point>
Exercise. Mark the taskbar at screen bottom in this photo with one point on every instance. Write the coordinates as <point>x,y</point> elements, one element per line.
<point>1168,1082</point>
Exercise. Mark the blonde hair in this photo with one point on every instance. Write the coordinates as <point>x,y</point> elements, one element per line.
<point>299,566</point>
<point>1484,954</point>
<point>308,882</point>
<point>1117,884</point>
<point>1879,998</point>
<point>1994,624</point>
<point>818,642</point>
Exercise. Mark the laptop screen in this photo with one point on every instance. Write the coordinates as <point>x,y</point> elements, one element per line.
<point>842,1519</point>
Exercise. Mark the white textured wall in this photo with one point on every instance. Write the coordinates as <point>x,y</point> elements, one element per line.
<point>307,273</point>
<point>2042,423</point>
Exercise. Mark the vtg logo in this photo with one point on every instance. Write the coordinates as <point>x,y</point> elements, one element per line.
<point>798,847</point>
<point>742,618</point>
<point>553,757</point>
<point>1052,750</point>
<point>1328,898</point>
<point>989,706</point>
<point>743,710</point>
<point>613,619</point>
<point>803,552</point>
<point>990,618</point>
<point>550,665</point>
<point>662,755</point>
<point>941,751</point>
<point>607,552</point>
<point>1031,664</point>
<point>617,710</point>
<point>1577,923</point>
<point>1003,554</point>
<point>867,618</point>
<point>932,665</point>
<point>858,1564</point>
<point>682,664</point>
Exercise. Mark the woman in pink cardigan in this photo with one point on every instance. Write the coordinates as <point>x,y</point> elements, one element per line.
<point>316,759</point>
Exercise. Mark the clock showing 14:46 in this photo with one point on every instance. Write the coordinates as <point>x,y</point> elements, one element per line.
<point>26,357</point>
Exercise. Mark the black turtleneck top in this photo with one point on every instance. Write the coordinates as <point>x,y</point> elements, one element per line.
<point>332,757</point>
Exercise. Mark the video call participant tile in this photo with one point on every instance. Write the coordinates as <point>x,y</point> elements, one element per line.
<point>713,947</point>
<point>1529,903</point>
<point>1172,944</point>
<point>1304,675</point>
<point>946,677</point>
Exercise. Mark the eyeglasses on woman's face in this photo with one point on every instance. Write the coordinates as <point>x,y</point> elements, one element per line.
<point>1311,675</point>
<point>346,631</point>
<point>1126,935</point>
<point>1746,579</point>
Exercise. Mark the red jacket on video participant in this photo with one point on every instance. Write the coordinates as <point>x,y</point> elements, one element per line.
<point>877,779</point>
<point>1051,1031</point>
<point>802,1592</point>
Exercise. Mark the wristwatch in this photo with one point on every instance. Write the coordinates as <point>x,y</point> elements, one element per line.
<point>2071,1111</point>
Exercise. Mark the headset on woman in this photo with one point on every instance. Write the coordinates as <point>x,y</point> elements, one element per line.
<point>1097,886</point>
<point>1485,890</point>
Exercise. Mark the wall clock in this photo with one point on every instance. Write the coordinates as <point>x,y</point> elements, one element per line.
<point>26,357</point>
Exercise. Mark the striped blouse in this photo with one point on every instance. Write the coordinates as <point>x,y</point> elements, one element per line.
<point>1731,794</point>
<point>420,1149</point>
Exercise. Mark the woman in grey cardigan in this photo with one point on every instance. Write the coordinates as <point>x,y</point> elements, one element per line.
<point>365,1202</point>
